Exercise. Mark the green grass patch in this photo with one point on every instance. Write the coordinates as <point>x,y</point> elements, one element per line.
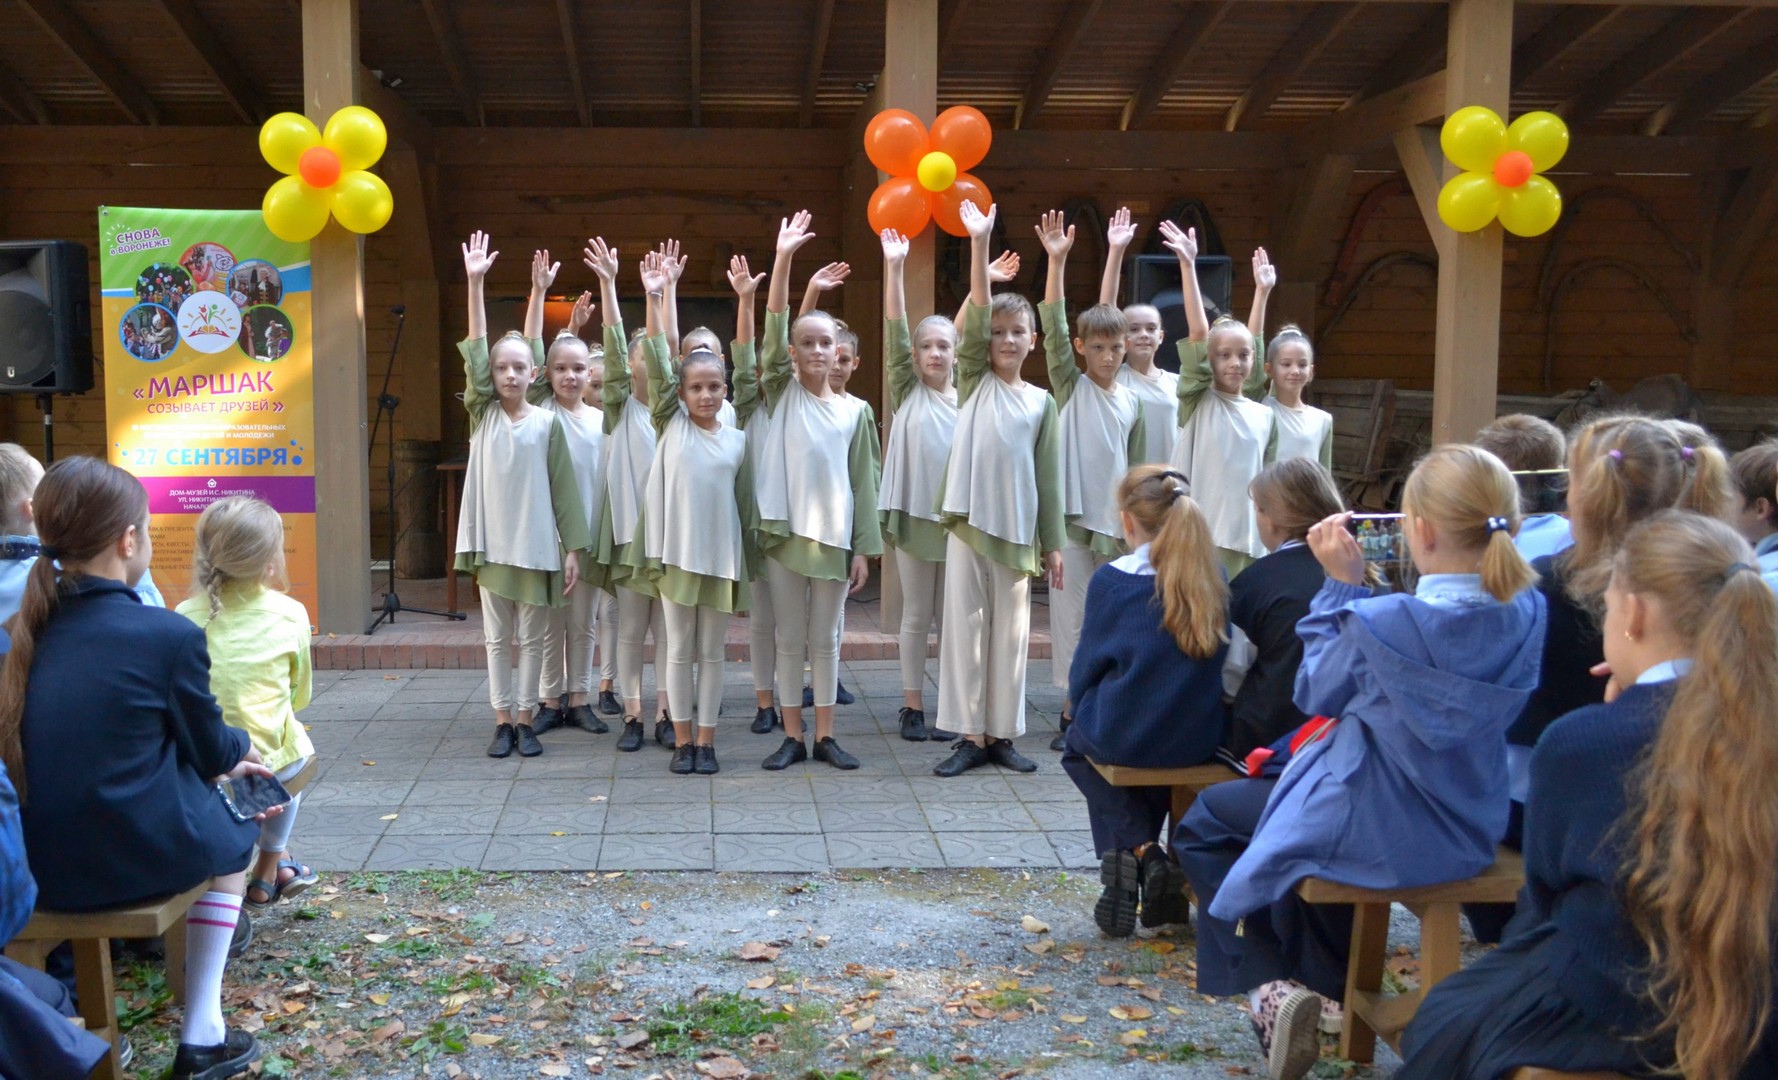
<point>727,1020</point>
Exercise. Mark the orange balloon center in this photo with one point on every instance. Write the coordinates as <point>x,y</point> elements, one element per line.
<point>319,167</point>
<point>1513,168</point>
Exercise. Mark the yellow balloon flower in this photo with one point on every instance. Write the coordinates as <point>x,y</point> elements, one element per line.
<point>325,173</point>
<point>1500,164</point>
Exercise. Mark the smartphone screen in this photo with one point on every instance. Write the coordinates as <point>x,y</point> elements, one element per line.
<point>1379,537</point>
<point>252,795</point>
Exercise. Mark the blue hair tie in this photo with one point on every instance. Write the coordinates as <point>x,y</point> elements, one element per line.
<point>1498,524</point>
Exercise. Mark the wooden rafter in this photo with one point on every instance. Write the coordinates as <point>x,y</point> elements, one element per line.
<point>211,52</point>
<point>1069,33</point>
<point>576,73</point>
<point>950,21</point>
<point>1745,224</point>
<point>17,99</point>
<point>456,62</point>
<point>1553,39</point>
<point>75,36</point>
<point>822,30</point>
<point>1685,114</point>
<point>697,63</point>
<point>1311,36</point>
<point>1378,118</point>
<point>1195,24</point>
<point>1680,36</point>
<point>1421,54</point>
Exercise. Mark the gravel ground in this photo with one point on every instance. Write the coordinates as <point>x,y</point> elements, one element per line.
<point>955,973</point>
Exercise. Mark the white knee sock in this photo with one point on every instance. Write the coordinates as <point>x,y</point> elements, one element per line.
<point>209,927</point>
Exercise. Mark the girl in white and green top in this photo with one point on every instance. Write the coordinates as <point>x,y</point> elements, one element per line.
<point>924,405</point>
<point>752,417</point>
<point>521,510</point>
<point>816,490</point>
<point>1303,430</point>
<point>693,540</point>
<point>1002,503</point>
<point>1156,389</point>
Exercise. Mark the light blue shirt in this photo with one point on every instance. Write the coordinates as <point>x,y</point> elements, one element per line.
<point>1543,534</point>
<point>1452,590</point>
<point>1767,550</point>
<point>14,571</point>
<point>1665,671</point>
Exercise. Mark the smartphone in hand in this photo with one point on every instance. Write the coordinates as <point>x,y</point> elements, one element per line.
<point>252,795</point>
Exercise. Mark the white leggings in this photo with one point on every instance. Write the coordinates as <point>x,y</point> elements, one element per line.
<point>274,832</point>
<point>808,617</point>
<point>607,634</point>
<point>982,656</point>
<point>922,601</point>
<point>762,654</point>
<point>505,623</point>
<point>696,637</point>
<point>637,616</point>
<point>1068,608</point>
<point>568,648</point>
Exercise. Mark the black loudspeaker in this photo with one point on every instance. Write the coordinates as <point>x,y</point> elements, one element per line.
<point>1154,279</point>
<point>46,336</point>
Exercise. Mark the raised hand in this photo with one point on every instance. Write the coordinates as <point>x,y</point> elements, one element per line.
<point>543,272</point>
<point>976,221</point>
<point>1265,275</point>
<point>794,232</point>
<point>582,313</point>
<point>1122,230</point>
<point>1181,242</point>
<point>741,279</point>
<point>1336,549</point>
<point>477,259</point>
<point>830,277</point>
<point>655,275</point>
<point>672,262</point>
<point>600,259</point>
<point>1056,238</point>
<point>1005,268</point>
<point>895,246</point>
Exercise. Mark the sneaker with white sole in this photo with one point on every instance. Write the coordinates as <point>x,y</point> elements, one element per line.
<point>1286,1023</point>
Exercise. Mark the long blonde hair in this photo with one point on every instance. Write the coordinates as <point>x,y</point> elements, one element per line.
<point>19,473</point>
<point>1699,884</point>
<point>239,540</point>
<point>1469,494</point>
<point>1187,576</point>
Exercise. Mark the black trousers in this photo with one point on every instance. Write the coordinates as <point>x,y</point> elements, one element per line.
<point>1122,818</point>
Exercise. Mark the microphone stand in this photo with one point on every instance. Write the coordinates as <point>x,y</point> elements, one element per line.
<point>388,403</point>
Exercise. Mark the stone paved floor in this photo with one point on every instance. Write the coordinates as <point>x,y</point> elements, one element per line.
<point>405,783</point>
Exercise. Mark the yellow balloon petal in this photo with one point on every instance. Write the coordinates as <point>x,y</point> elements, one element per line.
<point>293,210</point>
<point>1531,210</point>
<point>284,137</point>
<point>1473,137</point>
<point>357,135</point>
<point>1543,135</point>
<point>1469,201</point>
<point>362,202</point>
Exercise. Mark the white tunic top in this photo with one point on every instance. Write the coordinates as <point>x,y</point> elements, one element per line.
<point>1158,393</point>
<point>586,446</point>
<point>692,476</point>
<point>1220,450</point>
<point>805,474</point>
<point>919,442</point>
<point>507,513</point>
<point>629,455</point>
<point>1095,427</point>
<point>1302,433</point>
<point>991,478</point>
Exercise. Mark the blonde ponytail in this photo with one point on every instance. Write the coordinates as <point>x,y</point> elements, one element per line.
<point>1711,490</point>
<point>1188,578</point>
<point>239,541</point>
<point>1469,494</point>
<point>1622,470</point>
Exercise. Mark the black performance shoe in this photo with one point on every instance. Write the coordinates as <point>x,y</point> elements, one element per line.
<point>502,744</point>
<point>682,761</point>
<point>548,718</point>
<point>1163,890</point>
<point>704,760</point>
<point>1061,740</point>
<point>1115,910</point>
<point>842,696</point>
<point>808,697</point>
<point>765,720</point>
<point>584,718</point>
<point>938,734</point>
<point>608,703</point>
<point>829,751</point>
<point>528,744</point>
<point>228,1058</point>
<point>913,725</point>
<point>663,732</point>
<point>788,753</point>
<point>631,740</point>
<point>1004,754</point>
<point>965,756</point>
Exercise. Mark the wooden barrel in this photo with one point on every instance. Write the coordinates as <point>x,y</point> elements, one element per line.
<point>419,546</point>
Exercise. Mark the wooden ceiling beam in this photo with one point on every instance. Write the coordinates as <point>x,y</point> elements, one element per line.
<point>1354,128</point>
<point>1422,53</point>
<point>576,73</point>
<point>1069,32</point>
<point>1680,36</point>
<point>697,63</point>
<point>1745,223</point>
<point>18,99</point>
<point>405,124</point>
<point>1553,39</point>
<point>1196,22</point>
<point>215,55</point>
<point>75,36</point>
<point>1314,34</point>
<point>456,61</point>
<point>823,29</point>
<point>950,23</point>
<point>1690,110</point>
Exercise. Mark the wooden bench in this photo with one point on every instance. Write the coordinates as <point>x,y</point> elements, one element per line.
<point>1185,783</point>
<point>1369,1011</point>
<point>91,933</point>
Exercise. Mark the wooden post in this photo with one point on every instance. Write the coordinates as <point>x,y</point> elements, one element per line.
<point>336,259</point>
<point>1304,248</point>
<point>1466,358</point>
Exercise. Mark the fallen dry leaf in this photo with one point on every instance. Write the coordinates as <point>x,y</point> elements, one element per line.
<point>517,937</point>
<point>1041,947</point>
<point>759,951</point>
<point>1131,1012</point>
<point>379,999</point>
<point>482,1038</point>
<point>764,982</point>
<point>1132,1036</point>
<point>554,1069</point>
<point>629,1040</point>
<point>1072,1018</point>
<point>1033,925</point>
<point>864,1023</point>
<point>387,1031</point>
<point>376,939</point>
<point>721,1068</point>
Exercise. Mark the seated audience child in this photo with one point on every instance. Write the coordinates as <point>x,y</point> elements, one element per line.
<point>1147,687</point>
<point>1531,445</point>
<point>1643,941</point>
<point>1408,787</point>
<point>116,761</point>
<point>1755,474</point>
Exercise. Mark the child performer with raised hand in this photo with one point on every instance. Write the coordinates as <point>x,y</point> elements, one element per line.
<point>924,405</point>
<point>629,450</point>
<point>1101,427</point>
<point>605,620</point>
<point>1002,502</point>
<point>1156,388</point>
<point>564,371</point>
<point>521,510</point>
<point>752,417</point>
<point>816,491</point>
<point>1225,438</point>
<point>696,517</point>
<point>1303,430</point>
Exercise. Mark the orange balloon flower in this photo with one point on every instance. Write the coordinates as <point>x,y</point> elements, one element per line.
<point>929,175</point>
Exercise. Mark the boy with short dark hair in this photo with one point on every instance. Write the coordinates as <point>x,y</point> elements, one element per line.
<point>1531,445</point>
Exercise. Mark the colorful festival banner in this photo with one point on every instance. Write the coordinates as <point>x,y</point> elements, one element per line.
<point>209,386</point>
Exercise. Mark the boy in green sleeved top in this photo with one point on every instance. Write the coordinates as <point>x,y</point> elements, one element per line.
<point>521,510</point>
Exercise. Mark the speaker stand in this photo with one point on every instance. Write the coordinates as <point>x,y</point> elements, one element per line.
<point>47,403</point>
